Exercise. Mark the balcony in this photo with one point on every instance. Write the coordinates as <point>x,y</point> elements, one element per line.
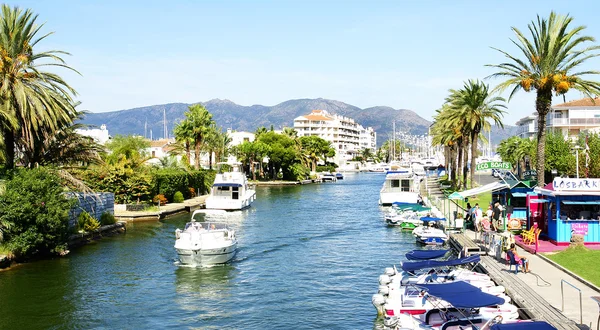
<point>573,122</point>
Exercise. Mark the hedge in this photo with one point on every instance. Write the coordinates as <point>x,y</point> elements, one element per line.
<point>168,181</point>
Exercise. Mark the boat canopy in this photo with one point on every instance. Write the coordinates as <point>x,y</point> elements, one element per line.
<point>227,184</point>
<point>425,254</point>
<point>416,265</point>
<point>536,325</point>
<point>462,295</point>
<point>411,206</point>
<point>431,219</point>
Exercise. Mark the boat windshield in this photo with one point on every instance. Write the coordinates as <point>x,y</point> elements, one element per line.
<point>205,226</point>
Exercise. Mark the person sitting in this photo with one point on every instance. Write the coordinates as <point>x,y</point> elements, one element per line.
<point>518,259</point>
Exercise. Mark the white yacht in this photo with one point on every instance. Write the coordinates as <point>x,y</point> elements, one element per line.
<point>230,191</point>
<point>400,186</point>
<point>205,243</point>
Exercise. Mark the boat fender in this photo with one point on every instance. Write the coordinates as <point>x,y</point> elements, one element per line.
<point>384,290</point>
<point>384,279</point>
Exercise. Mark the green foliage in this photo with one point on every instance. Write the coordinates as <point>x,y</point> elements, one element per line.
<point>86,222</point>
<point>107,219</point>
<point>128,149</point>
<point>159,198</point>
<point>129,185</point>
<point>178,197</point>
<point>559,155</point>
<point>300,171</point>
<point>35,205</point>
<point>168,181</point>
<point>326,168</point>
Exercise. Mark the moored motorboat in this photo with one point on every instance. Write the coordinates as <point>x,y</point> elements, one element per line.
<point>430,234</point>
<point>230,190</point>
<point>406,216</point>
<point>205,243</point>
<point>400,186</point>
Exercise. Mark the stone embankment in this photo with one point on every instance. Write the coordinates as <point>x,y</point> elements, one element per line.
<point>188,205</point>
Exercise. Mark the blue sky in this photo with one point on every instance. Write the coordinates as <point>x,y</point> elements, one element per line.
<point>403,54</point>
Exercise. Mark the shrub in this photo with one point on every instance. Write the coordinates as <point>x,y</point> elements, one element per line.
<point>35,206</point>
<point>161,198</point>
<point>178,197</point>
<point>107,219</point>
<point>86,222</point>
<point>168,181</point>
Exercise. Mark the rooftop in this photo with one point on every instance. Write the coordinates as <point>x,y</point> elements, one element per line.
<point>585,102</point>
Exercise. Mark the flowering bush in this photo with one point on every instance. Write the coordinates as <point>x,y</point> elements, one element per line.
<point>160,198</point>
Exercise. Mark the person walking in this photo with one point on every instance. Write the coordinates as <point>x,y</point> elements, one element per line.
<point>496,212</point>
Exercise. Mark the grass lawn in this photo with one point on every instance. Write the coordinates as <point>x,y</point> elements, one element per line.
<point>581,261</point>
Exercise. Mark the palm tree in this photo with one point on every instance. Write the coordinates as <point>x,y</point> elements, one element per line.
<point>185,138</point>
<point>290,132</point>
<point>474,105</point>
<point>548,65</point>
<point>30,99</point>
<point>198,121</point>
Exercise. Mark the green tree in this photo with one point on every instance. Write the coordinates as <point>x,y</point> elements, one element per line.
<point>316,149</point>
<point>198,121</point>
<point>130,149</point>
<point>475,107</point>
<point>32,101</point>
<point>184,137</point>
<point>37,209</point>
<point>548,63</point>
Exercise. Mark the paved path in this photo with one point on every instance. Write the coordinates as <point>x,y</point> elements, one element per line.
<point>170,208</point>
<point>542,272</point>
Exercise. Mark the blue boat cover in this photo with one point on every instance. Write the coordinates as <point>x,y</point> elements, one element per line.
<point>227,185</point>
<point>428,219</point>
<point>404,204</point>
<point>537,325</point>
<point>462,295</point>
<point>416,265</point>
<point>425,254</point>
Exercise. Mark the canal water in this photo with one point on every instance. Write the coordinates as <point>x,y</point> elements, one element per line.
<point>309,258</point>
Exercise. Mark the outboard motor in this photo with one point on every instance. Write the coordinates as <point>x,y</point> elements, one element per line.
<point>384,279</point>
<point>177,233</point>
<point>378,301</point>
<point>384,290</point>
<point>389,271</point>
<point>390,322</point>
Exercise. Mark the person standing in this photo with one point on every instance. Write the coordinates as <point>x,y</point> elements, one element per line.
<point>497,211</point>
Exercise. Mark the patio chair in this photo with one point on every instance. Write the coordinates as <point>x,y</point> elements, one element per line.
<point>510,258</point>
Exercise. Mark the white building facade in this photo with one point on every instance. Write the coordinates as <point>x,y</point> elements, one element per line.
<point>568,119</point>
<point>347,137</point>
<point>100,135</point>
<point>238,138</point>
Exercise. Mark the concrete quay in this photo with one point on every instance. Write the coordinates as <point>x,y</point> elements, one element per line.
<point>188,205</point>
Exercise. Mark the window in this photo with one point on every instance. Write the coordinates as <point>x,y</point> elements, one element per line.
<point>395,183</point>
<point>405,185</point>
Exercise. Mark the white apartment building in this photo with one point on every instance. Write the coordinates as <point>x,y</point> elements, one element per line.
<point>527,127</point>
<point>238,138</point>
<point>346,136</point>
<point>568,118</point>
<point>100,135</point>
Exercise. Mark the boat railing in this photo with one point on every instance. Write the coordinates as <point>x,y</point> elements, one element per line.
<point>206,226</point>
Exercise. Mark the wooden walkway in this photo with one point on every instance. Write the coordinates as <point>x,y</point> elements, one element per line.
<point>525,297</point>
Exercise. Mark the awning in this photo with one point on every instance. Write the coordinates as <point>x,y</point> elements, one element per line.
<point>416,265</point>
<point>227,185</point>
<point>431,219</point>
<point>581,202</point>
<point>462,295</point>
<point>479,190</point>
<point>538,201</point>
<point>536,325</point>
<point>425,254</point>
<point>518,194</point>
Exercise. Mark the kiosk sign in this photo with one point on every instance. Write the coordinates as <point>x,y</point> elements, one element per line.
<point>493,165</point>
<point>579,228</point>
<point>576,184</point>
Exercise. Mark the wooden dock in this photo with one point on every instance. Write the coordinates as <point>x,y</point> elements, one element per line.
<point>531,304</point>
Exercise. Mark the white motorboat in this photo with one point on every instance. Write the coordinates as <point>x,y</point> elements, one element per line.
<point>430,235</point>
<point>205,243</point>
<point>400,186</point>
<point>379,168</point>
<point>230,191</point>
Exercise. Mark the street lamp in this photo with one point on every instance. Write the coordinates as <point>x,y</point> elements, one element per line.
<point>577,159</point>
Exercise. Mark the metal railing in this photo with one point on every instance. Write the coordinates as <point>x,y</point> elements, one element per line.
<point>562,297</point>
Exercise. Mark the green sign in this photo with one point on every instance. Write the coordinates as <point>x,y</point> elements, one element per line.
<point>493,165</point>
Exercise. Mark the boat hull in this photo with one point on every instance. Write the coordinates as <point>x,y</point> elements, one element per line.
<point>228,204</point>
<point>204,257</point>
<point>387,198</point>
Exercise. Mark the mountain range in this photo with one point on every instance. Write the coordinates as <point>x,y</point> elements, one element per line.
<point>227,114</point>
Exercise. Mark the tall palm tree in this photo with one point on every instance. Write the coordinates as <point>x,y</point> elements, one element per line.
<point>474,106</point>
<point>185,138</point>
<point>198,120</point>
<point>549,64</point>
<point>31,98</point>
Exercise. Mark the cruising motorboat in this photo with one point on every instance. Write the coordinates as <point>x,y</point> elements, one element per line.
<point>230,191</point>
<point>400,186</point>
<point>205,243</point>
<point>430,235</point>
